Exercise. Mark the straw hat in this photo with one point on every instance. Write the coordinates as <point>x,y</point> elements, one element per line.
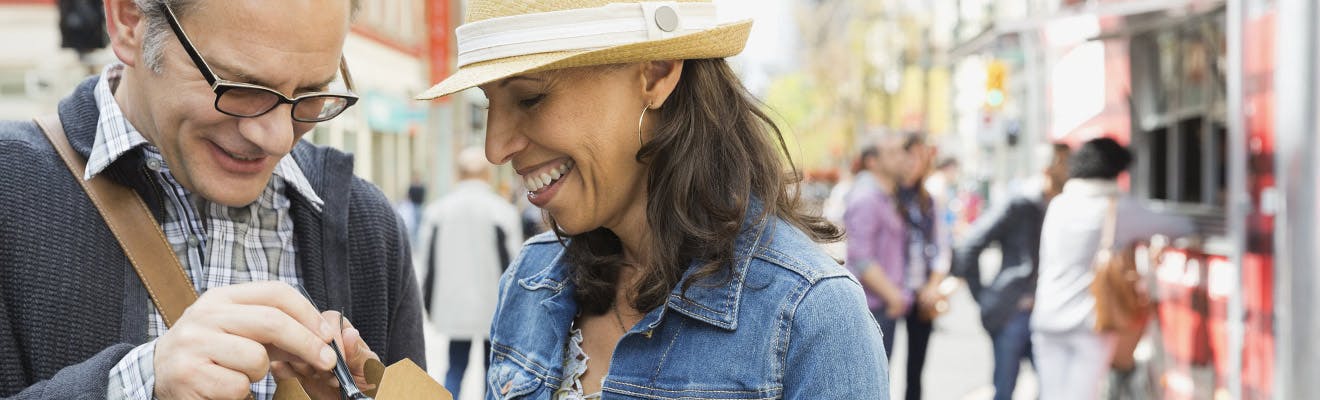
<point>503,38</point>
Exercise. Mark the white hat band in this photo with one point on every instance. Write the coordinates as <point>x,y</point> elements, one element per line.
<point>581,29</point>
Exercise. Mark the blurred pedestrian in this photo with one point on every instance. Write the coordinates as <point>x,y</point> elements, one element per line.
<point>836,204</point>
<point>1071,357</point>
<point>466,241</point>
<point>677,247</point>
<point>410,208</point>
<point>942,184</point>
<point>926,258</point>
<point>199,124</point>
<point>1014,224</point>
<point>877,234</point>
<point>533,220</point>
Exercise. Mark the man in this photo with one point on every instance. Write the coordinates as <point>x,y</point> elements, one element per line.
<point>248,209</point>
<point>876,235</point>
<point>467,238</point>
<point>1006,303</point>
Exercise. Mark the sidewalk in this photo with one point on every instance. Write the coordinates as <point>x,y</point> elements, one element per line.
<point>959,362</point>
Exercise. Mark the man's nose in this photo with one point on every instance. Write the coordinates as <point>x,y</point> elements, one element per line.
<point>273,131</point>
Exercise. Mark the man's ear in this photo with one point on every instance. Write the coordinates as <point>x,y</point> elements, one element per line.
<point>127,27</point>
<point>659,78</point>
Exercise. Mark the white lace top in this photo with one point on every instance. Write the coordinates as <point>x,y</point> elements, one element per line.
<point>575,365</point>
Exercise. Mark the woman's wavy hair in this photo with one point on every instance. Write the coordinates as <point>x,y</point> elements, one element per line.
<point>713,151</point>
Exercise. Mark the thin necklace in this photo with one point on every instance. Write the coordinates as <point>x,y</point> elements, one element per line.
<point>619,318</point>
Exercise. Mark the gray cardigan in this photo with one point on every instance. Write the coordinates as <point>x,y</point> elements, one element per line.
<point>71,305</point>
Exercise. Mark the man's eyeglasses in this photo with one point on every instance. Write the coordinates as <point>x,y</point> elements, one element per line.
<point>247,100</point>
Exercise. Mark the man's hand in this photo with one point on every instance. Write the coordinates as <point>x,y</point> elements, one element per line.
<point>933,299</point>
<point>231,335</point>
<point>320,383</point>
<point>894,308</point>
<point>874,278</point>
<point>930,295</point>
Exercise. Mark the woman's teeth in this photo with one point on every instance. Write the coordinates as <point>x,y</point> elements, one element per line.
<point>538,182</point>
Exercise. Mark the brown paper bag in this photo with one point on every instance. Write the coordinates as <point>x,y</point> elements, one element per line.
<point>402,381</point>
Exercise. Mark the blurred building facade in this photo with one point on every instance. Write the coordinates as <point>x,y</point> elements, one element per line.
<point>35,72</point>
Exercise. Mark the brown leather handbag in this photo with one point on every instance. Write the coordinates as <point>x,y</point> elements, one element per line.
<point>1122,303</point>
<point>1121,300</point>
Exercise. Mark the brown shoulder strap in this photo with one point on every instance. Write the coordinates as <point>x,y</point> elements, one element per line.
<point>133,225</point>
<point>1104,251</point>
<point>1110,227</point>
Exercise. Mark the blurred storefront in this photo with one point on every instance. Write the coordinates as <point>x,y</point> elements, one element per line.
<point>36,72</point>
<point>396,140</point>
<point>1191,86</point>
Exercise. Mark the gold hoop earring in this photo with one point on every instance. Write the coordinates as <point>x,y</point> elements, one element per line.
<point>640,143</point>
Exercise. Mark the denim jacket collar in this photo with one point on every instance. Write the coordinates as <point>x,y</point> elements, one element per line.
<point>716,305</point>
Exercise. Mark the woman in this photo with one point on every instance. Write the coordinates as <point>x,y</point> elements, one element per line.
<point>1071,357</point>
<point>925,266</point>
<point>680,266</point>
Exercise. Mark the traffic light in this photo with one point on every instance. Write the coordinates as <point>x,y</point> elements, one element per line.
<point>82,25</point>
<point>995,72</point>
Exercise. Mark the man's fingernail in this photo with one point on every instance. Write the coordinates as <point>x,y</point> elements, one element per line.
<point>326,329</point>
<point>327,356</point>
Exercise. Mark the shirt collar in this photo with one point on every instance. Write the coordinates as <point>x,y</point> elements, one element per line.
<point>472,184</point>
<point>1091,187</point>
<point>115,136</point>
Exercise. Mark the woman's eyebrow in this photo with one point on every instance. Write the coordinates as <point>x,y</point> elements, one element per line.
<point>506,82</point>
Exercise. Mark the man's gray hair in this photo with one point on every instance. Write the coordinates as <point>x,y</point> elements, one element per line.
<point>158,29</point>
<point>471,163</point>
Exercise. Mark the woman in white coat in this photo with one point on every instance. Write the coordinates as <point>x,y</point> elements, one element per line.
<point>1071,357</point>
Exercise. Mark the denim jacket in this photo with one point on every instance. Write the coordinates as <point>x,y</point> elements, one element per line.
<point>790,324</point>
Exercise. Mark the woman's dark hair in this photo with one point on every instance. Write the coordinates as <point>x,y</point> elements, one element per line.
<point>713,151</point>
<point>1101,158</point>
<point>923,197</point>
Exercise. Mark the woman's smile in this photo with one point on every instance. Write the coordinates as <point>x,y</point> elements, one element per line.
<point>544,181</point>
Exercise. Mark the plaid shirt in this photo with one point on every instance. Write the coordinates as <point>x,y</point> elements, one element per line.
<point>217,245</point>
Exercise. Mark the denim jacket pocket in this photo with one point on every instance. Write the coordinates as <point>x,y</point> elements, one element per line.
<point>507,380</point>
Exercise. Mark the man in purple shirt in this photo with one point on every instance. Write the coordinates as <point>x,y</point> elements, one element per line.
<point>877,235</point>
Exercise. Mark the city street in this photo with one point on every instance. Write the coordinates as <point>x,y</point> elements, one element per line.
<point>959,362</point>
<point>1144,169</point>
